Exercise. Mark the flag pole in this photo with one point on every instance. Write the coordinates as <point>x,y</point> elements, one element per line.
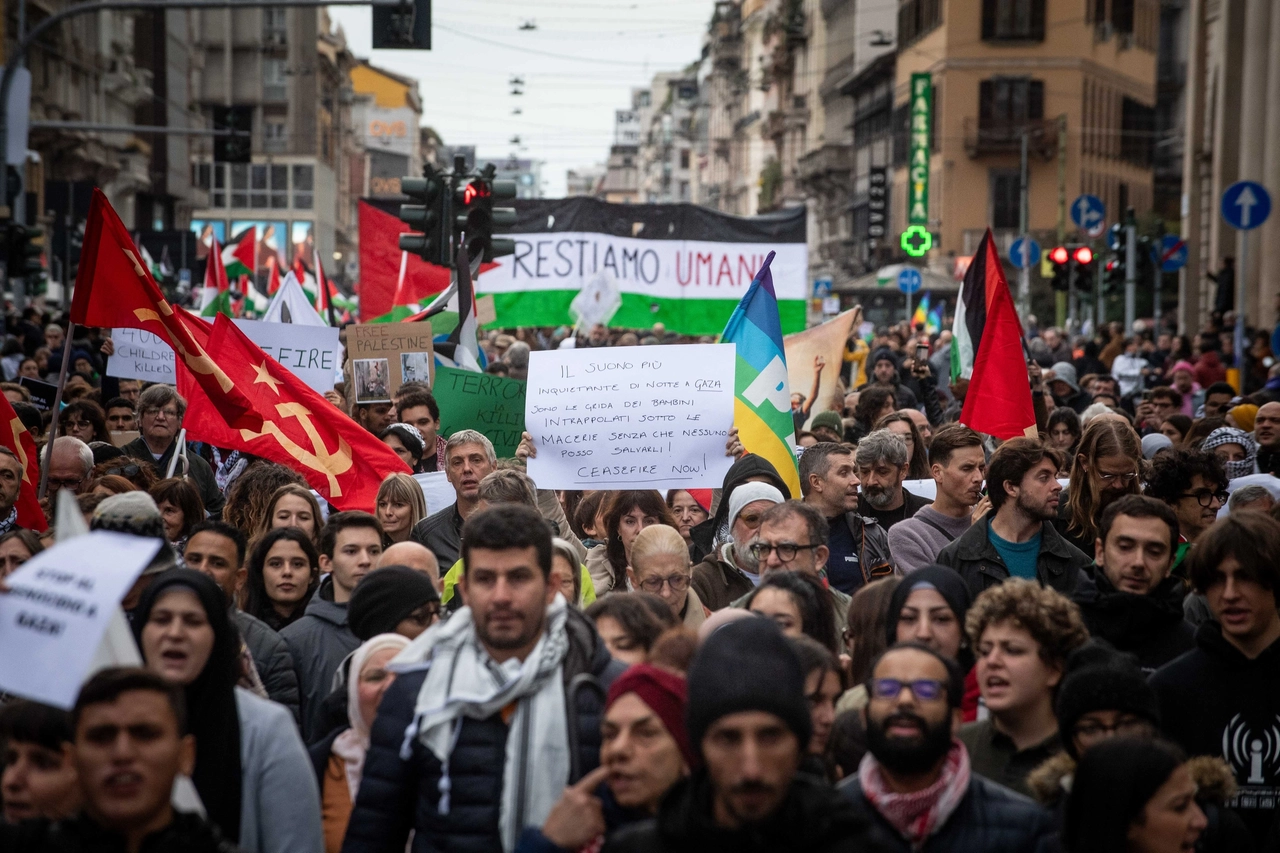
<point>57,405</point>
<point>328,297</point>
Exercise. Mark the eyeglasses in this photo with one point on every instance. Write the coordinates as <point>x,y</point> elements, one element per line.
<point>1111,478</point>
<point>126,471</point>
<point>1091,730</point>
<point>786,550</point>
<point>1206,497</point>
<point>170,414</point>
<point>75,424</point>
<point>57,483</point>
<point>678,583</point>
<point>924,689</point>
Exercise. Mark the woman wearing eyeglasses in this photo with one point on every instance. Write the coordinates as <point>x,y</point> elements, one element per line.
<point>1106,467</point>
<point>660,565</point>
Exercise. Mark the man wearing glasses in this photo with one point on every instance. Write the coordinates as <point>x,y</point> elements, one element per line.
<point>1194,485</point>
<point>910,719</point>
<point>1134,603</point>
<point>160,413</point>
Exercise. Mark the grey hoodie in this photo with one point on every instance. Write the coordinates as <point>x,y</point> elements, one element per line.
<point>318,642</point>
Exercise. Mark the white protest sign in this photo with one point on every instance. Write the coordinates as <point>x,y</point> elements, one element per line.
<point>630,418</point>
<point>58,608</point>
<point>312,353</point>
<point>436,489</point>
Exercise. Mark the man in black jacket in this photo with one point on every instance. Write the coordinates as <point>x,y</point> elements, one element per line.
<point>1017,538</point>
<point>1223,697</point>
<point>470,744</point>
<point>160,414</point>
<point>469,456</point>
<point>130,744</point>
<point>1133,602</point>
<point>858,548</point>
<point>911,714</point>
<point>749,721</point>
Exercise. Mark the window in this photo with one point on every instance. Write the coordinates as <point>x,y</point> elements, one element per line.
<point>303,179</point>
<point>1137,132</point>
<point>279,186</point>
<point>274,138</point>
<point>258,183</point>
<point>1007,103</point>
<point>1014,20</point>
<point>202,175</point>
<point>219,185</point>
<point>239,185</point>
<point>273,79</point>
<point>684,158</point>
<point>1005,197</point>
<point>275,25</point>
<point>916,18</point>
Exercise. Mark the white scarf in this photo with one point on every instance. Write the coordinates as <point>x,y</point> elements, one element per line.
<point>353,744</point>
<point>463,681</point>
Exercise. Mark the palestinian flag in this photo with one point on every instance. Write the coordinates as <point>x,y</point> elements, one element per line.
<point>240,258</point>
<point>762,399</point>
<point>987,349</point>
<point>462,349</point>
<point>216,293</point>
<point>389,277</point>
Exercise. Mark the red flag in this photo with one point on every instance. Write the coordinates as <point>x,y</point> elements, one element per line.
<point>300,429</point>
<point>114,289</point>
<point>323,294</point>
<point>273,283</point>
<point>215,274</point>
<point>17,439</point>
<point>998,401</point>
<point>380,266</point>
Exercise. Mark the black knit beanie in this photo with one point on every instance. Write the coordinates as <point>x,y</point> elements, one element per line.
<point>1114,686</point>
<point>746,666</point>
<point>384,597</point>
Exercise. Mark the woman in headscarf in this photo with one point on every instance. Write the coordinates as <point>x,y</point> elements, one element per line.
<point>407,442</point>
<point>251,767</point>
<point>339,758</point>
<point>1234,448</point>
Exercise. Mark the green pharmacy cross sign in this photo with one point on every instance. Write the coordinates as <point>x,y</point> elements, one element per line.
<point>918,163</point>
<point>916,241</point>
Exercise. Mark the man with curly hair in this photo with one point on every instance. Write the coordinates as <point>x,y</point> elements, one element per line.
<point>1194,485</point>
<point>1021,634</point>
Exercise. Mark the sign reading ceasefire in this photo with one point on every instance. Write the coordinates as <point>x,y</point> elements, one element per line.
<point>918,163</point>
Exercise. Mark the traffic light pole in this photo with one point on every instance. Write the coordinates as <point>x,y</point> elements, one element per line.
<point>1071,294</point>
<point>1130,276</point>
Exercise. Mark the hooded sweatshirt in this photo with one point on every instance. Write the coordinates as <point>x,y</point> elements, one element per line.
<point>1216,701</point>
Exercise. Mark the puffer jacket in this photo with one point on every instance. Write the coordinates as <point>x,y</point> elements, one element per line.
<point>319,642</point>
<point>990,819</point>
<point>402,794</point>
<point>272,658</point>
<point>186,832</point>
<point>1059,566</point>
<point>812,818</point>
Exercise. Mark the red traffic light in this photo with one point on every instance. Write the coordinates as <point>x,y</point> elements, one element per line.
<point>1059,255</point>
<point>473,191</point>
<point>1084,255</point>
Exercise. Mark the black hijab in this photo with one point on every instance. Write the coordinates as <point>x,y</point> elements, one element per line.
<point>949,585</point>
<point>211,699</point>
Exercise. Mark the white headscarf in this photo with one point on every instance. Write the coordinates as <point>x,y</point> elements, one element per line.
<point>353,743</point>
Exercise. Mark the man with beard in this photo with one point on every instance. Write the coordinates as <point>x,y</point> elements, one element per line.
<point>857,545</point>
<point>958,464</point>
<point>1133,602</point>
<point>732,571</point>
<point>916,778</point>
<point>1017,538</point>
<point>882,466</point>
<point>1266,432</point>
<point>484,703</point>
<point>749,722</point>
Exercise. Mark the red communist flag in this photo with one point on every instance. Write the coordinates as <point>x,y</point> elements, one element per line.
<point>999,398</point>
<point>299,428</point>
<point>15,437</point>
<point>114,289</point>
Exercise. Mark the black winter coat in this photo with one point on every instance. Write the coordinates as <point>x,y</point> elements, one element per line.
<point>812,819</point>
<point>1151,627</point>
<point>1060,564</point>
<point>188,833</point>
<point>990,819</point>
<point>398,795</point>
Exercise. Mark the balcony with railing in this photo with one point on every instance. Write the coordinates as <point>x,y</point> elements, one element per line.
<point>984,138</point>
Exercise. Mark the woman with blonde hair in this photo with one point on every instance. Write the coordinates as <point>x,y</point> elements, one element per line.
<point>291,505</point>
<point>399,506</point>
<point>660,564</point>
<point>1107,466</point>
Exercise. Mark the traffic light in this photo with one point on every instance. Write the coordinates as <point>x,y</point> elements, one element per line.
<point>402,26</point>
<point>428,216</point>
<point>479,217</point>
<point>1083,274</point>
<point>503,217</point>
<point>237,146</point>
<point>1061,259</point>
<point>1113,275</point>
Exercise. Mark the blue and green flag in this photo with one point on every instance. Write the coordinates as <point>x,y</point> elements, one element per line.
<point>762,404</point>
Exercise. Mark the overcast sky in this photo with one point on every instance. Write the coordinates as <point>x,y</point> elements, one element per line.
<point>578,66</point>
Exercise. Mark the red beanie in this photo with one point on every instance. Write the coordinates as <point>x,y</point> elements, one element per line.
<point>665,693</point>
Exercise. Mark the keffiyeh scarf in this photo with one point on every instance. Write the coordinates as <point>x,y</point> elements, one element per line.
<point>918,815</point>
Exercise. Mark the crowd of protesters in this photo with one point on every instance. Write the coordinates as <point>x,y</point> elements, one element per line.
<point>943,642</point>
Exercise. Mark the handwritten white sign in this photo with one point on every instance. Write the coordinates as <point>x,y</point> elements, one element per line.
<point>312,353</point>
<point>630,418</point>
<point>59,605</point>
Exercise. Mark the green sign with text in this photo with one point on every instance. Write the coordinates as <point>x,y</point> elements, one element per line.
<point>491,405</point>
<point>918,164</point>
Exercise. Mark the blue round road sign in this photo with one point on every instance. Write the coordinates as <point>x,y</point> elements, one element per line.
<point>910,280</point>
<point>1173,253</point>
<point>1246,205</point>
<point>1024,253</point>
<point>1088,212</point>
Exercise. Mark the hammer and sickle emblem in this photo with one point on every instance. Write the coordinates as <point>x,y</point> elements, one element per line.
<point>199,361</point>
<point>16,427</point>
<point>318,458</point>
